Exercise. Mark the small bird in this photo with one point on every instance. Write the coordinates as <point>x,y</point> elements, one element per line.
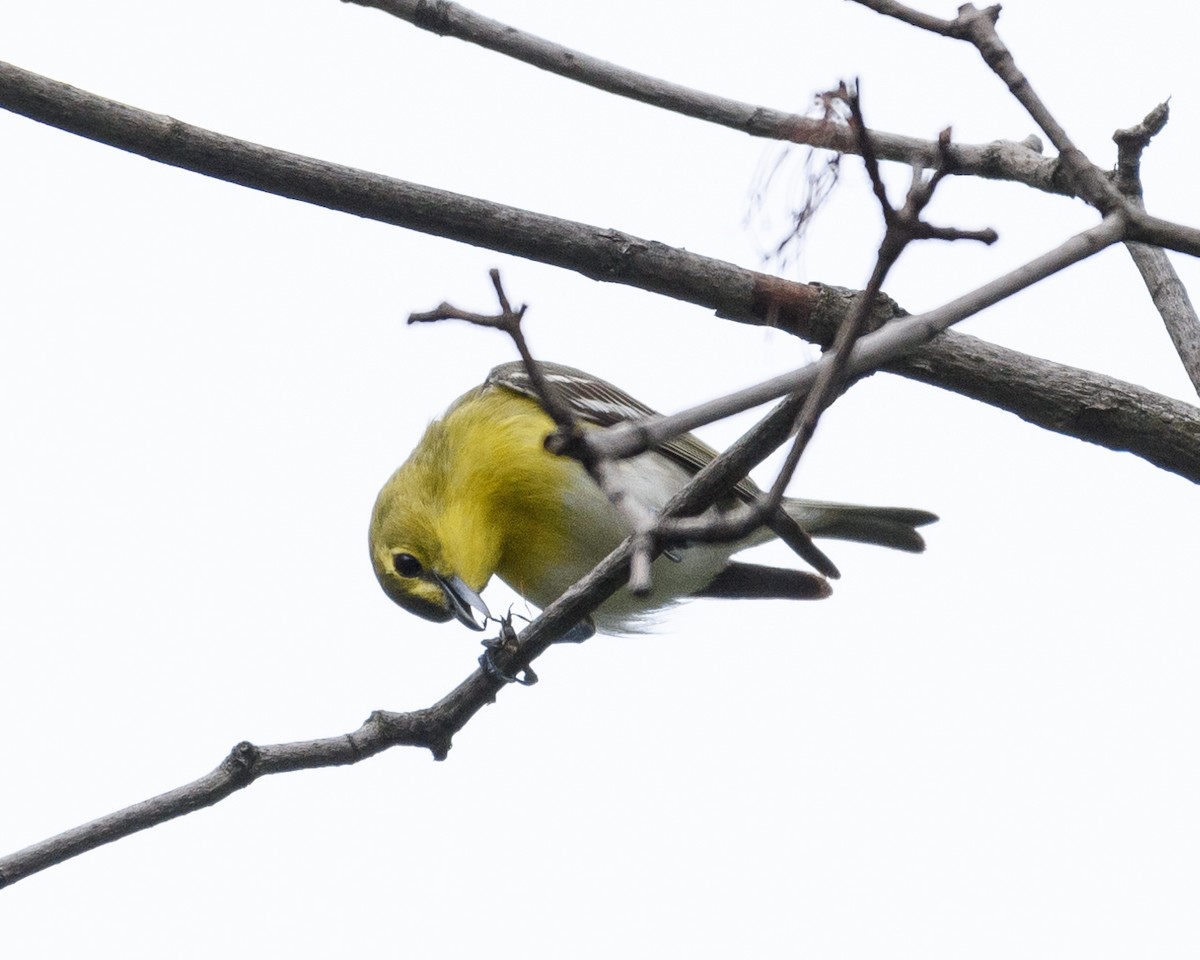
<point>481,496</point>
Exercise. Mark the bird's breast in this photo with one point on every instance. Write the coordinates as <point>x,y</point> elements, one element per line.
<point>544,565</point>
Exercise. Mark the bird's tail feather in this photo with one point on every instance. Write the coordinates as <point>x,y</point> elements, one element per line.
<point>752,581</point>
<point>886,526</point>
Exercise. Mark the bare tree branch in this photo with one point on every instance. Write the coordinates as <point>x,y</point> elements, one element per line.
<point>1145,228</point>
<point>914,18</point>
<point>1165,287</point>
<point>431,728</point>
<point>1174,306</point>
<point>1169,439</point>
<point>1001,160</point>
<point>1084,404</point>
<point>903,226</point>
<point>978,27</point>
<point>875,351</point>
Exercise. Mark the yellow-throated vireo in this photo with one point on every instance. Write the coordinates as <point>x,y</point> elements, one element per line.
<point>481,496</point>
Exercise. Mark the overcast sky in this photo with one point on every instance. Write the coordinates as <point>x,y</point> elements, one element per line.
<point>989,750</point>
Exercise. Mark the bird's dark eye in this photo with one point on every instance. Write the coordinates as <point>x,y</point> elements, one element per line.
<point>406,564</point>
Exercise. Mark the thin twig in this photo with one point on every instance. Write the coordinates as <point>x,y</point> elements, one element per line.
<point>571,439</point>
<point>1167,291</point>
<point>430,728</point>
<point>508,321</point>
<point>1171,299</point>
<point>1000,160</point>
<point>1132,142</point>
<point>915,18</point>
<point>978,27</point>
<point>903,226</point>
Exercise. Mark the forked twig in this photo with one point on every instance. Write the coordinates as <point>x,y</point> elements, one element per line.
<point>568,438</point>
<point>903,226</point>
<point>978,27</point>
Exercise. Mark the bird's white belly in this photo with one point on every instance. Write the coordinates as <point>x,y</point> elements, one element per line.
<point>596,525</point>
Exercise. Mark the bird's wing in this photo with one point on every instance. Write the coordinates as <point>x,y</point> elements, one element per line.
<point>598,401</point>
<point>753,581</point>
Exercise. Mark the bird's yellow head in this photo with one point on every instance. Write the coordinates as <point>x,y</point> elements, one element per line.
<point>479,497</point>
<point>408,555</point>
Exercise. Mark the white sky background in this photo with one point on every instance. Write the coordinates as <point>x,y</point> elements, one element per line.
<point>986,751</point>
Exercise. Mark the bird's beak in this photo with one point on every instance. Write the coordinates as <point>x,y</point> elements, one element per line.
<point>461,599</point>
